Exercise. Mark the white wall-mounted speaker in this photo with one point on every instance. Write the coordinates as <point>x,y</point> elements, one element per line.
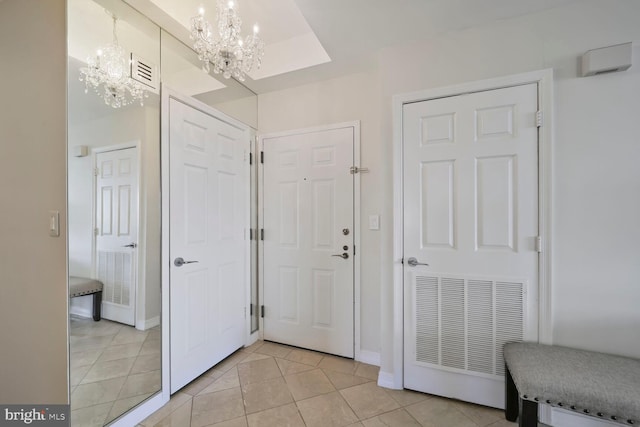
<point>607,59</point>
<point>80,151</point>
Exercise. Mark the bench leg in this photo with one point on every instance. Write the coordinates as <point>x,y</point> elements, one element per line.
<point>511,397</point>
<point>97,305</point>
<point>528,414</point>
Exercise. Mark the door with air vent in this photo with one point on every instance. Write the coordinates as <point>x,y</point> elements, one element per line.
<point>117,232</point>
<point>470,213</point>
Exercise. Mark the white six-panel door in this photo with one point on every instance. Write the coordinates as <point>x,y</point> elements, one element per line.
<point>308,240</point>
<point>208,167</point>
<point>470,213</point>
<point>117,232</point>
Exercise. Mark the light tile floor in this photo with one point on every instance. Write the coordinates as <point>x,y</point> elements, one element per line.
<point>113,368</point>
<point>270,384</point>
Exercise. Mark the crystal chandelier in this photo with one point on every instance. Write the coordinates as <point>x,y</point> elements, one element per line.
<point>230,55</point>
<point>110,69</point>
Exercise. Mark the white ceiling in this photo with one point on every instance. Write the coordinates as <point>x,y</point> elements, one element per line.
<point>309,40</point>
<point>306,40</point>
<point>290,43</point>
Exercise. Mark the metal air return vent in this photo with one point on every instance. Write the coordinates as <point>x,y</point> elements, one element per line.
<point>145,72</point>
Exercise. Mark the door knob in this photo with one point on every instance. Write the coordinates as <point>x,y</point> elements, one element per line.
<point>179,262</point>
<point>413,262</point>
<point>343,256</point>
<point>131,245</point>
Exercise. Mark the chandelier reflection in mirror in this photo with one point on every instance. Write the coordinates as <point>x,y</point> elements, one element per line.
<point>109,74</point>
<point>230,55</point>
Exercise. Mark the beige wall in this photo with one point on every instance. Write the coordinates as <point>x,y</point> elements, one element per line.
<point>33,284</point>
<point>595,202</point>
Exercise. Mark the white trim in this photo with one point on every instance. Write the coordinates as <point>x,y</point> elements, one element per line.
<point>561,417</point>
<point>260,213</point>
<point>387,380</point>
<point>141,411</point>
<point>368,357</point>
<point>80,310</point>
<point>250,338</point>
<point>356,222</point>
<point>165,314</point>
<point>357,292</point>
<point>544,79</point>
<point>148,323</point>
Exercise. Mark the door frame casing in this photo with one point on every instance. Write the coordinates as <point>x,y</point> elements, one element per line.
<point>544,80</point>
<point>356,224</point>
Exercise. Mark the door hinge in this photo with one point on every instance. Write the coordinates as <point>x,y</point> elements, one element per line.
<point>251,234</point>
<point>539,244</point>
<point>354,170</point>
<point>250,158</point>
<point>262,311</point>
<point>262,157</point>
<point>354,250</point>
<point>402,261</point>
<point>95,171</point>
<point>251,310</point>
<point>96,231</point>
<point>539,118</point>
<point>262,234</point>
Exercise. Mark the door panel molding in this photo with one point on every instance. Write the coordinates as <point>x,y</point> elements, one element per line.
<point>120,300</point>
<point>391,374</point>
<point>169,96</point>
<point>320,157</point>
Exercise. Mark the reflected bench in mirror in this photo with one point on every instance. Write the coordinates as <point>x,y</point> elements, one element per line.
<point>80,286</point>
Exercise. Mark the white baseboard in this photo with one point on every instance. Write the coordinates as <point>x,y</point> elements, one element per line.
<point>562,418</point>
<point>369,357</point>
<point>81,311</point>
<point>148,323</point>
<point>386,380</point>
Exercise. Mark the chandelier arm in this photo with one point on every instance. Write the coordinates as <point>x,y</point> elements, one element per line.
<point>110,70</point>
<point>230,55</point>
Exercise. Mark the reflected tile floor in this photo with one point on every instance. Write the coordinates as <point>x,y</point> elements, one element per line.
<point>113,368</point>
<point>273,385</point>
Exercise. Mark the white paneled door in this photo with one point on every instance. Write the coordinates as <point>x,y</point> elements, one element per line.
<point>308,240</point>
<point>471,214</point>
<point>208,199</point>
<point>117,232</point>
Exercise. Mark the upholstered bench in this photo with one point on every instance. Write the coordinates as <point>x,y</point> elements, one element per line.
<point>79,286</point>
<point>594,384</point>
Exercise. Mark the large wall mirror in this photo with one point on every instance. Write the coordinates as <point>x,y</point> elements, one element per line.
<point>115,337</point>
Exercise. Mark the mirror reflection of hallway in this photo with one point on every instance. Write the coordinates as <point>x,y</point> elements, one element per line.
<point>113,224</point>
<point>114,367</point>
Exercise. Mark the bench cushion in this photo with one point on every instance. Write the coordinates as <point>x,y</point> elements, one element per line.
<point>79,286</point>
<point>597,384</point>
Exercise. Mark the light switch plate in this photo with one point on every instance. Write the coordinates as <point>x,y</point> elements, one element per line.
<point>54,223</point>
<point>374,222</point>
